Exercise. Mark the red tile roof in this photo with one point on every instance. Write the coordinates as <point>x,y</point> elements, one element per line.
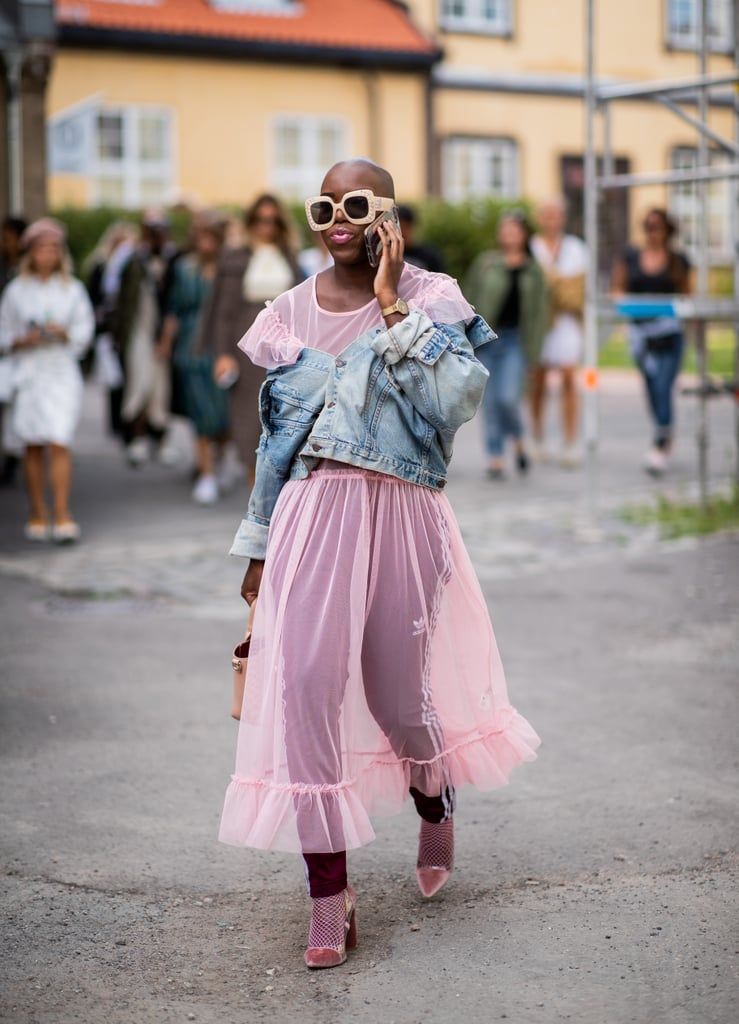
<point>377,25</point>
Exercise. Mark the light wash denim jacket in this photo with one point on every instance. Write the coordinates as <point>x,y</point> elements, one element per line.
<point>392,401</point>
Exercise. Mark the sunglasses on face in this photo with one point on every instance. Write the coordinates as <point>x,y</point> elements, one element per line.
<point>359,207</point>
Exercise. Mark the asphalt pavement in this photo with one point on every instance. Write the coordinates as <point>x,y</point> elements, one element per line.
<point>599,886</point>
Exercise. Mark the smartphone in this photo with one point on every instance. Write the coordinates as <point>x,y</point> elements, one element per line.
<point>372,239</point>
<point>34,325</point>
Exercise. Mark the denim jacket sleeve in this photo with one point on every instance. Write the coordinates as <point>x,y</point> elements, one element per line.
<point>251,537</point>
<point>287,417</point>
<point>436,367</point>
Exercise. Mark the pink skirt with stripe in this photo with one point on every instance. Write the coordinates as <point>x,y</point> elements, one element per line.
<point>373,667</point>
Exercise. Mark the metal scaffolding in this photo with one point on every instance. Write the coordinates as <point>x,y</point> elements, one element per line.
<point>696,311</point>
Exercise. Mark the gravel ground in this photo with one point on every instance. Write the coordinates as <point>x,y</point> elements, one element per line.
<point>601,885</point>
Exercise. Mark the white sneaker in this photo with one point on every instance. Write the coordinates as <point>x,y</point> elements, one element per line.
<point>167,454</point>
<point>65,533</point>
<point>539,452</point>
<point>137,452</point>
<point>655,461</point>
<point>205,491</point>
<point>227,476</point>
<point>38,532</point>
<point>570,457</point>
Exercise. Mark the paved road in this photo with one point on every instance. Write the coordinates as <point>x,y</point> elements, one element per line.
<point>599,886</point>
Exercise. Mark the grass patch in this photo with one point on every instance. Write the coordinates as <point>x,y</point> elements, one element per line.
<point>679,519</point>
<point>615,354</point>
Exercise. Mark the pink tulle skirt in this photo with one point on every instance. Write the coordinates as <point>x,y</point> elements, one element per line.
<point>373,667</point>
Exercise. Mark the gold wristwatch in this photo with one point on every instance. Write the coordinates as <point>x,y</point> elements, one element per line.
<point>399,306</point>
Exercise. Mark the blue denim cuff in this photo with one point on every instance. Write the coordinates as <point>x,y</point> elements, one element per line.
<point>393,343</point>
<point>429,346</point>
<point>250,540</point>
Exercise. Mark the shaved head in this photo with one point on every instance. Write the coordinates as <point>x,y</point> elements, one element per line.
<point>348,175</point>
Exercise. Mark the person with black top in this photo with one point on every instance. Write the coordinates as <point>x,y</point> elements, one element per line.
<point>657,343</point>
<point>135,324</point>
<point>427,257</point>
<point>507,287</point>
<point>106,265</point>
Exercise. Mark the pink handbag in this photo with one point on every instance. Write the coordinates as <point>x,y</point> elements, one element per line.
<point>239,660</point>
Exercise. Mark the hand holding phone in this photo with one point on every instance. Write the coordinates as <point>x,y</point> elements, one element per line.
<point>372,238</point>
<point>390,269</point>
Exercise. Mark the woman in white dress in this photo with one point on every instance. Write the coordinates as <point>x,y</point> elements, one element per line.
<point>46,325</point>
<point>564,259</point>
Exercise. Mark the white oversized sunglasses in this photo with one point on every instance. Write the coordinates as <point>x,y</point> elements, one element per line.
<point>359,207</point>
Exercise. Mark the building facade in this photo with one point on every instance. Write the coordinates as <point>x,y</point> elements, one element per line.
<point>508,113</point>
<point>215,100</point>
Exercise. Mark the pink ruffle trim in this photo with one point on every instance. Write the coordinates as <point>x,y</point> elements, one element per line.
<point>440,298</point>
<point>263,814</point>
<point>269,342</point>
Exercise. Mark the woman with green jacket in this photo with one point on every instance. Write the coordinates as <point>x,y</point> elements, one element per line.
<point>508,289</point>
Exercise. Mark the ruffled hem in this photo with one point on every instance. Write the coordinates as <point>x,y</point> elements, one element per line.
<point>269,342</point>
<point>440,298</point>
<point>263,814</point>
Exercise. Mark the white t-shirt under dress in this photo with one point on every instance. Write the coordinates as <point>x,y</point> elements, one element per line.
<point>45,383</point>
<point>564,340</point>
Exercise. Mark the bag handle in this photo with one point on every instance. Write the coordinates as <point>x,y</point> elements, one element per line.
<point>250,619</point>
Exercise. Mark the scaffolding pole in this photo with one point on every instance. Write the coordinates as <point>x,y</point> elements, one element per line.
<point>669,177</point>
<point>590,398</point>
<point>701,353</point>
<point>598,99</point>
<point>650,90</point>
<point>735,246</point>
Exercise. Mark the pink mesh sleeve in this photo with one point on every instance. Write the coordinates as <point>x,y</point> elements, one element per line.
<point>269,342</point>
<point>440,298</point>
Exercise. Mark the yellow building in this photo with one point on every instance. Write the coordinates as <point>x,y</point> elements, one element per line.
<point>215,100</point>
<point>508,113</point>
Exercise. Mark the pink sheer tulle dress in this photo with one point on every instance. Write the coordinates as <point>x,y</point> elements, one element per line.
<point>373,665</point>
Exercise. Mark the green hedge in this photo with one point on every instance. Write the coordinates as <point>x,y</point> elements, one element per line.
<point>459,231</point>
<point>85,227</point>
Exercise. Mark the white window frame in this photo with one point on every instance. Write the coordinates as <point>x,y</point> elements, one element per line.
<point>88,165</point>
<point>683,204</point>
<point>305,179</point>
<point>506,147</point>
<point>256,6</point>
<point>75,161</point>
<point>130,168</point>
<point>474,18</point>
<point>720,43</point>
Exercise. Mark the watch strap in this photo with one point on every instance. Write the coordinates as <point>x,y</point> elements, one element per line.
<point>399,306</point>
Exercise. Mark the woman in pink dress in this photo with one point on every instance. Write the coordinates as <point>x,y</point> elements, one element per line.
<point>373,672</point>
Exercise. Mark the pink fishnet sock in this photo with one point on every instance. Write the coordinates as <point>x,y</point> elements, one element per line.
<point>436,845</point>
<point>328,922</point>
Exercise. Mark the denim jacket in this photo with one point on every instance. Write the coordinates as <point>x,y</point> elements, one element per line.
<point>392,401</point>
